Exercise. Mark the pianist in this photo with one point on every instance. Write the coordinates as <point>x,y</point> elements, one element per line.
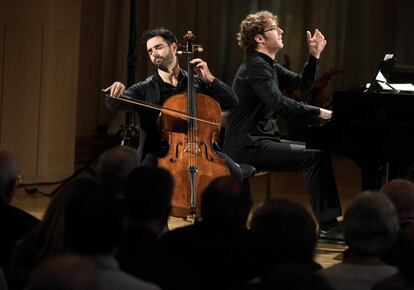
<point>252,134</point>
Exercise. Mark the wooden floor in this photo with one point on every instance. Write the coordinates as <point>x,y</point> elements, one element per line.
<point>286,185</point>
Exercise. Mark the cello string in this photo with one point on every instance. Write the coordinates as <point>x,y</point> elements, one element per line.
<point>190,108</point>
<point>192,122</point>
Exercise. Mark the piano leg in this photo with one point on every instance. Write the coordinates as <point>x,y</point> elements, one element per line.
<point>401,168</point>
<point>372,173</point>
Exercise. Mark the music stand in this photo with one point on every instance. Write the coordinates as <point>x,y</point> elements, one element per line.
<point>382,74</point>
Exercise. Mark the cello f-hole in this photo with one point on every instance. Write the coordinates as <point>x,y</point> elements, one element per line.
<point>204,144</point>
<point>177,149</point>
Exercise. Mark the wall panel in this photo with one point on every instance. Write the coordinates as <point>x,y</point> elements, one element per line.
<point>39,73</point>
<point>21,90</point>
<point>58,121</point>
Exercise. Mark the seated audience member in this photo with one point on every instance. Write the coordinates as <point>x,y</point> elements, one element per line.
<point>47,238</point>
<point>64,272</point>
<point>14,222</point>
<point>93,227</point>
<point>401,193</point>
<point>406,262</point>
<point>283,232</point>
<point>113,168</point>
<point>3,282</point>
<point>148,197</point>
<point>291,276</point>
<point>404,279</point>
<point>217,246</point>
<point>370,227</point>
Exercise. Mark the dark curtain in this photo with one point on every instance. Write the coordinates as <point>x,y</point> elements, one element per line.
<point>359,33</point>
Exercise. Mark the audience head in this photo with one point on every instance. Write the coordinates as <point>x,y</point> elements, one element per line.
<point>64,272</point>
<point>9,176</point>
<point>370,224</point>
<point>401,193</point>
<point>52,228</point>
<point>93,224</point>
<point>285,231</point>
<point>148,194</point>
<point>226,201</point>
<point>113,168</point>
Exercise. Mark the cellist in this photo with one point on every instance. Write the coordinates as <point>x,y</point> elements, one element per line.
<point>168,80</point>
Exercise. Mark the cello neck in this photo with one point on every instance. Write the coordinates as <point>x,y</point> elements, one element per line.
<point>189,37</point>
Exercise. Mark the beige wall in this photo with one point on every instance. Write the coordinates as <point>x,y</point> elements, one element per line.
<point>39,43</point>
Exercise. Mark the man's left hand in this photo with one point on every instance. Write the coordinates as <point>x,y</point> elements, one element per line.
<point>201,68</point>
<point>316,43</point>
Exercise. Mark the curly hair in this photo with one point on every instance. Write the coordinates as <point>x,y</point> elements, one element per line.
<point>251,26</point>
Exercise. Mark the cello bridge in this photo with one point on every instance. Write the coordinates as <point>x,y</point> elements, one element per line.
<point>192,148</point>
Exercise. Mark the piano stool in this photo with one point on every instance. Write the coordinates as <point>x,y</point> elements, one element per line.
<point>249,171</point>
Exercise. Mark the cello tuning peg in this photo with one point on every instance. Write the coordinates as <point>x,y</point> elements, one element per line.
<point>181,49</point>
<point>198,48</point>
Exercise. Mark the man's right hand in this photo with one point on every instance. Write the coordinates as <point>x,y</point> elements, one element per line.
<point>115,90</point>
<point>325,114</point>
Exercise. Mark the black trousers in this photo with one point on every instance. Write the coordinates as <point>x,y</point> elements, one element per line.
<point>316,166</point>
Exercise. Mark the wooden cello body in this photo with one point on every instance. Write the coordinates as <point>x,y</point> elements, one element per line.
<point>191,158</point>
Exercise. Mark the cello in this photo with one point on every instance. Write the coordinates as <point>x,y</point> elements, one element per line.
<point>191,158</point>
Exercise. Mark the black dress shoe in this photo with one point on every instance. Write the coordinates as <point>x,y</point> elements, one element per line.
<point>332,235</point>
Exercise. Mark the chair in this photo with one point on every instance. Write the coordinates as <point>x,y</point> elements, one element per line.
<point>250,171</point>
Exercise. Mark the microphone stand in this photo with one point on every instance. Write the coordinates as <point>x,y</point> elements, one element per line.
<point>130,131</point>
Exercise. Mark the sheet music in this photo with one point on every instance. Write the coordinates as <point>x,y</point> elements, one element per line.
<point>404,87</point>
<point>400,87</point>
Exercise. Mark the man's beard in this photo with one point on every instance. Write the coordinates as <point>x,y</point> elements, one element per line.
<point>165,62</point>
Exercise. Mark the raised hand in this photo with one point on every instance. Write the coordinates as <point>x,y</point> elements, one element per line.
<point>316,42</point>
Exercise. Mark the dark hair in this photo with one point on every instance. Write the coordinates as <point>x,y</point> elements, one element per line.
<point>161,31</point>
<point>48,237</point>
<point>148,193</point>
<point>284,230</point>
<point>113,168</point>
<point>226,201</point>
<point>401,193</point>
<point>93,224</point>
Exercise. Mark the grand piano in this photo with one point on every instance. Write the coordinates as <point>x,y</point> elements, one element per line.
<point>374,129</point>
